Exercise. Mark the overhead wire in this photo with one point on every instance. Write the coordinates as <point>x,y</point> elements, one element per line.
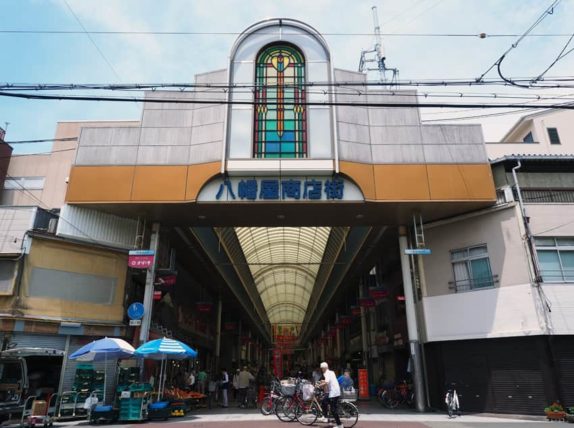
<point>92,40</point>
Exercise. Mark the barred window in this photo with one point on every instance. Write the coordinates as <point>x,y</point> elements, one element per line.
<point>471,268</point>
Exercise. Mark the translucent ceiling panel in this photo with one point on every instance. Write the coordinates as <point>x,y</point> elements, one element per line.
<point>284,262</point>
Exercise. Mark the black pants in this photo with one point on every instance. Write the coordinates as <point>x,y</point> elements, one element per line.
<point>333,404</point>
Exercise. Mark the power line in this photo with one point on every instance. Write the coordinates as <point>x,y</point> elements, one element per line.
<point>564,106</point>
<point>228,33</point>
<point>548,11</point>
<point>92,40</point>
<point>47,140</point>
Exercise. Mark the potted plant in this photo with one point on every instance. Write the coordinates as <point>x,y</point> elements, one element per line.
<point>570,414</point>
<point>555,412</point>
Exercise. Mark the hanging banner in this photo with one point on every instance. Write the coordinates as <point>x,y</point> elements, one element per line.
<point>378,292</point>
<point>363,384</point>
<point>367,303</point>
<point>278,363</point>
<point>141,259</point>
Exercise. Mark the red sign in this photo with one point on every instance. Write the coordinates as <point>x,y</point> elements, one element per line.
<point>230,326</point>
<point>378,292</point>
<point>346,320</point>
<point>278,363</point>
<point>157,295</point>
<point>363,384</point>
<point>204,306</point>
<point>141,259</point>
<point>367,303</point>
<point>356,310</point>
<point>167,280</point>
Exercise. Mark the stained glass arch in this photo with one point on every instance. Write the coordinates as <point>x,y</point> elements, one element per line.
<point>280,128</point>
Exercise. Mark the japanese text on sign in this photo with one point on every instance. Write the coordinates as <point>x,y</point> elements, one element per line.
<point>252,189</point>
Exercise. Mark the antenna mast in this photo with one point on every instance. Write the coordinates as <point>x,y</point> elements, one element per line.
<point>376,55</point>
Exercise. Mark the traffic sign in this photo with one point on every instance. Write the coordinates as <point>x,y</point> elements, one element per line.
<point>136,311</point>
<point>135,323</point>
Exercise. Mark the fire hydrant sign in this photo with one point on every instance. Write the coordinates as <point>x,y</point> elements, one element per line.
<point>141,259</point>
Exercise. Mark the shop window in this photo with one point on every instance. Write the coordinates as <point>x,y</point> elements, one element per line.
<point>553,135</point>
<point>528,139</point>
<point>280,128</point>
<point>471,267</point>
<point>556,258</point>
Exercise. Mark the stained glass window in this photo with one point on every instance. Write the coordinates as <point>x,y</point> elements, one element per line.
<point>280,129</point>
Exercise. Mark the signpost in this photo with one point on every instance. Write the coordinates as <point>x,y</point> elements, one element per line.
<point>417,251</point>
<point>363,384</point>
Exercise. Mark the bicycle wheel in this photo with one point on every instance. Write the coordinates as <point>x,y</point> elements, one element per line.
<point>307,413</point>
<point>267,405</point>
<point>285,409</point>
<point>349,414</point>
<point>387,397</point>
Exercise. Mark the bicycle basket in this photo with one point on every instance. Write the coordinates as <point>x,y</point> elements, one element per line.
<point>349,394</point>
<point>308,392</point>
<point>288,390</point>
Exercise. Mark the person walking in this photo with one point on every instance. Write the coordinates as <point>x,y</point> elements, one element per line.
<point>244,378</point>
<point>201,381</point>
<point>224,387</point>
<point>331,400</point>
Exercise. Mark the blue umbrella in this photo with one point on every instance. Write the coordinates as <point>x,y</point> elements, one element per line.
<point>102,350</point>
<point>164,349</point>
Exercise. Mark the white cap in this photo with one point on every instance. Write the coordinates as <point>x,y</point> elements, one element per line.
<point>324,365</point>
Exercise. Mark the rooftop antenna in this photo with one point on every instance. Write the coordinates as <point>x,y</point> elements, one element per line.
<point>376,55</point>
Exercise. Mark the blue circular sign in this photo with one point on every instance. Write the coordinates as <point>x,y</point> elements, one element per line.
<point>136,311</point>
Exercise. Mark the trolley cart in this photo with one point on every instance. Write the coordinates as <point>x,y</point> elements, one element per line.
<point>68,403</point>
<point>36,412</point>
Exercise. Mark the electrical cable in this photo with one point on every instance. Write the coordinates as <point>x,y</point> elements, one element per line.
<point>45,140</point>
<point>564,106</point>
<point>92,40</point>
<point>548,11</point>
<point>558,58</point>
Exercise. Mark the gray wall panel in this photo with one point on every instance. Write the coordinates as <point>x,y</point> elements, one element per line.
<point>355,151</point>
<point>398,154</point>
<point>395,135</point>
<point>163,155</point>
<point>167,118</point>
<point>104,155</point>
<point>165,136</point>
<point>202,153</point>
<point>451,153</point>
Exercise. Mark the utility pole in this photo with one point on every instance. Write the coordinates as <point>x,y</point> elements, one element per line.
<point>149,280</point>
<point>376,55</point>
<point>412,325</point>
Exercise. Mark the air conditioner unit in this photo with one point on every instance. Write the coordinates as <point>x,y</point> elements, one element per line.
<point>508,194</point>
<point>53,225</point>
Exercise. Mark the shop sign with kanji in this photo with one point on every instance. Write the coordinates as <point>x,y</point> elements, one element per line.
<point>277,189</point>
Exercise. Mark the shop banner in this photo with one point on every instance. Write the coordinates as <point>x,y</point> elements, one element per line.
<point>141,259</point>
<point>278,363</point>
<point>367,303</point>
<point>378,292</point>
<point>363,384</point>
<point>167,280</point>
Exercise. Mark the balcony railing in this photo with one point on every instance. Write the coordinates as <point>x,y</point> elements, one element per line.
<point>473,283</point>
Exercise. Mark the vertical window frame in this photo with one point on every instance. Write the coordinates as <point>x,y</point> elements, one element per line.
<point>467,259</point>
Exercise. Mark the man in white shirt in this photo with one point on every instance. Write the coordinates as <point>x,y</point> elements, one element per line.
<point>333,392</point>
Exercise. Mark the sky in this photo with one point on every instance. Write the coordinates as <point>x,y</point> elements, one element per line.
<point>128,58</point>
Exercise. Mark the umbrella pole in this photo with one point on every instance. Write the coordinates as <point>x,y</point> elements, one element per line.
<point>105,376</point>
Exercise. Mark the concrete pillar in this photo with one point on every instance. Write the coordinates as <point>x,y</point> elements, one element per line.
<point>150,277</point>
<point>364,329</point>
<point>413,331</point>
<point>218,334</point>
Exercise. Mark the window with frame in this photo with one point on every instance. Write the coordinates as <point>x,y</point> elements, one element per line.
<point>556,258</point>
<point>471,268</point>
<point>528,138</point>
<point>280,128</point>
<point>24,183</point>
<point>553,135</point>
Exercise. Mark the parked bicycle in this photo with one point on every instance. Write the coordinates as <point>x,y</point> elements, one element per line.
<point>451,401</point>
<point>309,410</point>
<point>393,396</point>
<point>291,398</point>
<point>269,402</point>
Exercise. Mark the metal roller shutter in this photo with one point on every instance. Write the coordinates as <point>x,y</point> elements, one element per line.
<point>71,365</point>
<point>564,352</point>
<point>23,340</point>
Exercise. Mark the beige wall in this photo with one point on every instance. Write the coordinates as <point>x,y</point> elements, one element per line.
<point>537,124</point>
<point>68,257</point>
<point>498,229</point>
<point>551,219</point>
<point>55,167</point>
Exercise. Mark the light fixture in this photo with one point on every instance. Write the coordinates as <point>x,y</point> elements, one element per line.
<point>281,216</point>
<point>201,217</point>
<point>360,216</point>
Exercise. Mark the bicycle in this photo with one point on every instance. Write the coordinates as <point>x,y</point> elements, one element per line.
<point>395,395</point>
<point>307,412</point>
<point>291,398</point>
<point>269,402</point>
<point>451,401</point>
